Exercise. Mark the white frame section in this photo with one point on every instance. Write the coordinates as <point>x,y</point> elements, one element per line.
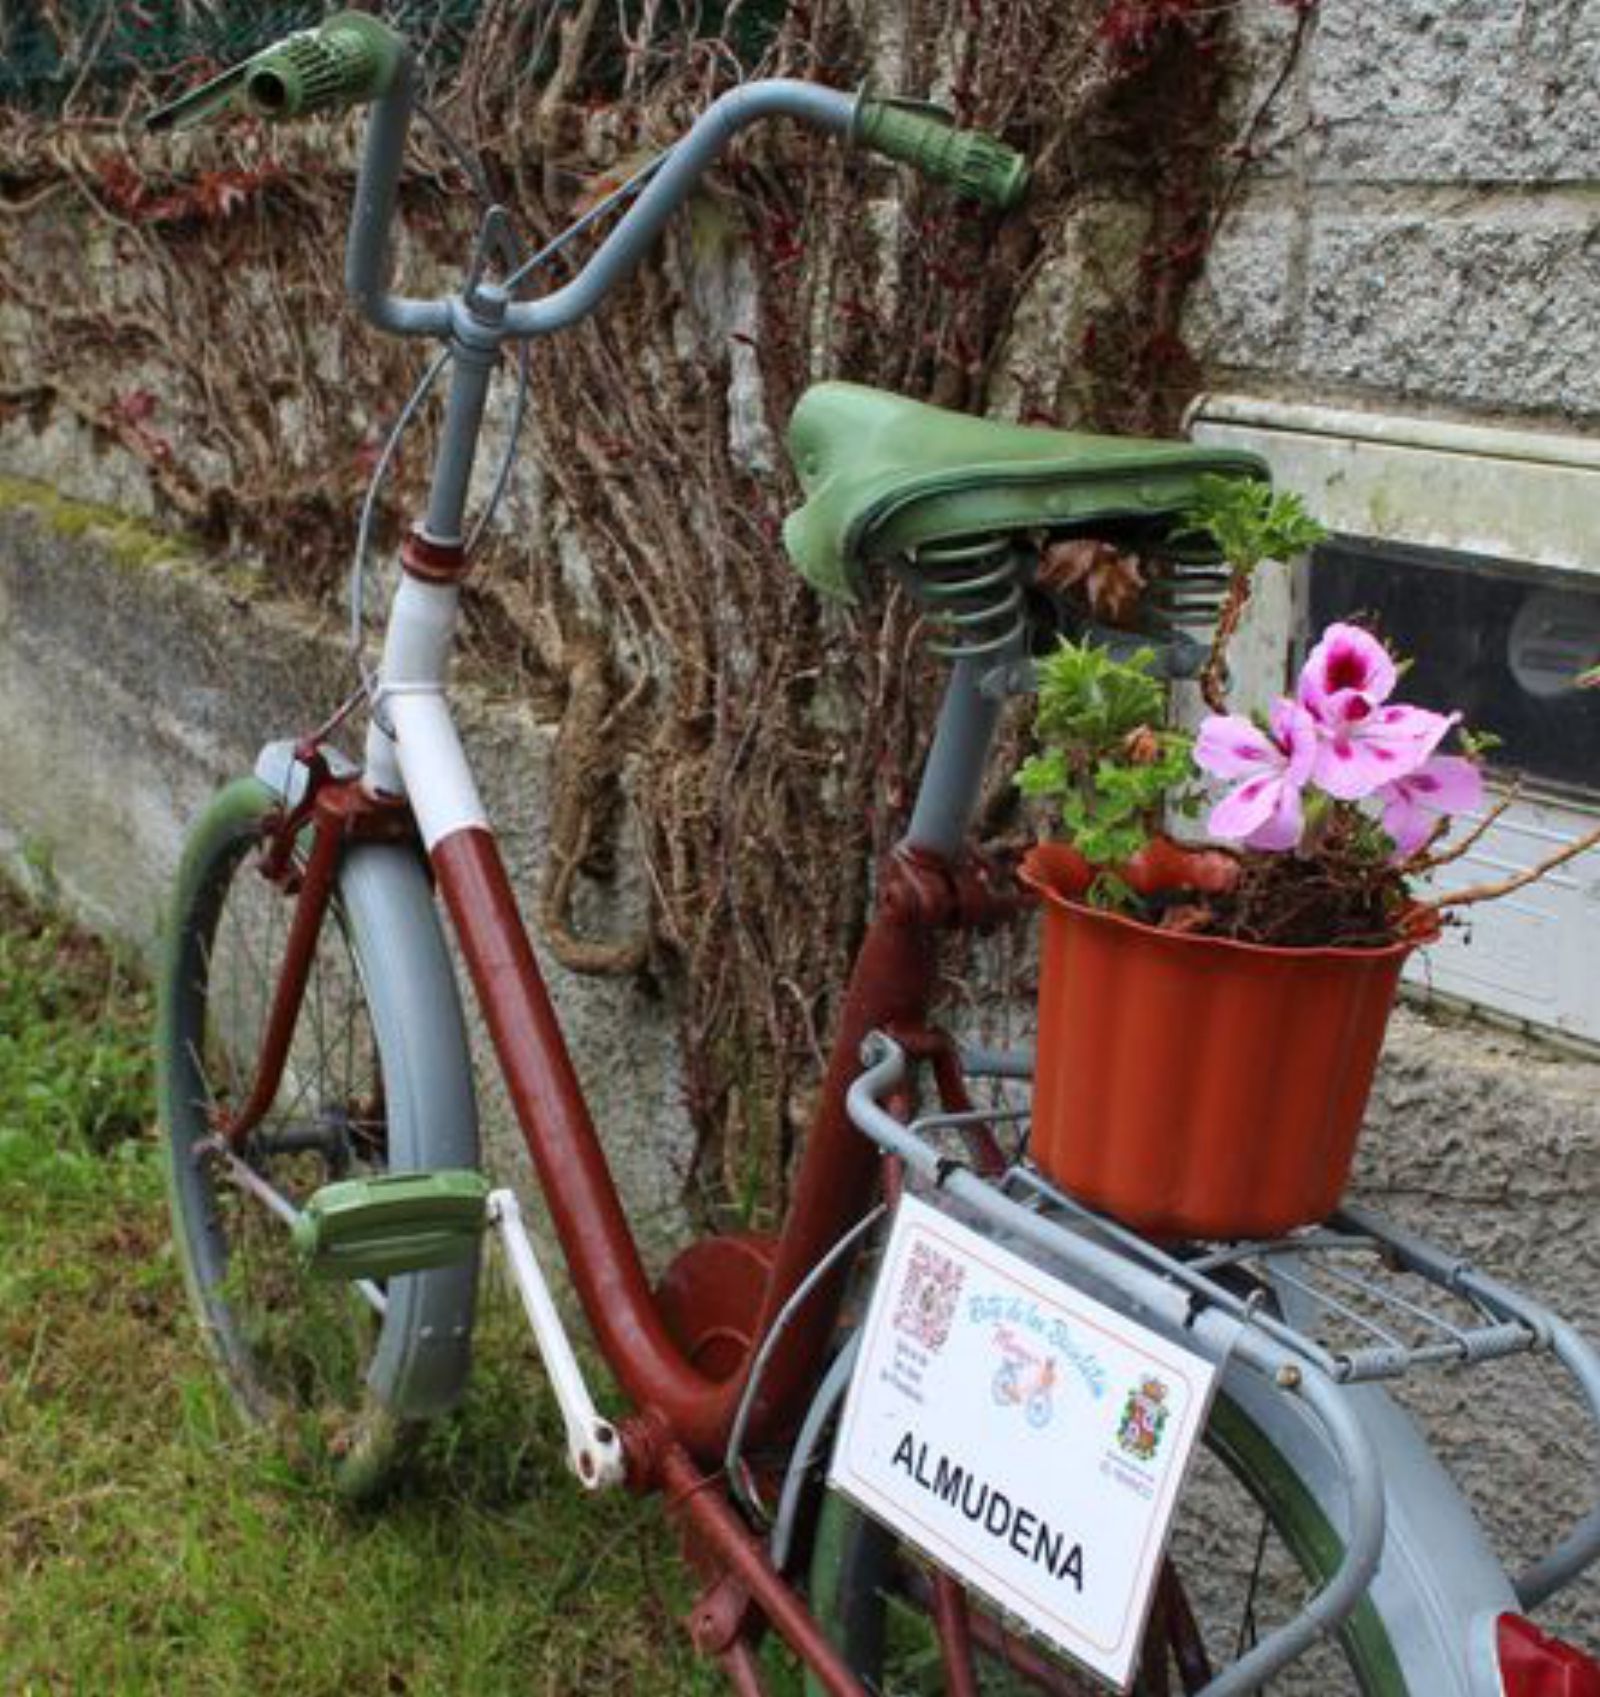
<point>419,753</point>
<point>1526,497</point>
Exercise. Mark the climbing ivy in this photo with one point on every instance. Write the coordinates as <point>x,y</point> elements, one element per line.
<point>767,746</point>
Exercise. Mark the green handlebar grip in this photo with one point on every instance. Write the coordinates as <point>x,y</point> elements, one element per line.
<point>348,59</point>
<point>925,137</point>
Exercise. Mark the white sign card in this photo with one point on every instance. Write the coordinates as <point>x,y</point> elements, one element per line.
<point>1028,1438</point>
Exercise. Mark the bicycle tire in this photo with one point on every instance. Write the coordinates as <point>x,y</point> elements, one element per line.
<point>377,1079</point>
<point>859,1583</point>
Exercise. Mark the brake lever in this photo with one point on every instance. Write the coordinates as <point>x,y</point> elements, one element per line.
<point>200,103</point>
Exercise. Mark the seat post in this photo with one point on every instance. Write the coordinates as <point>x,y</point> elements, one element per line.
<point>952,780</point>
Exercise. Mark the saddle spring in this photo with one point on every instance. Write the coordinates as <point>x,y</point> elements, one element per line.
<point>1186,591</point>
<point>971,592</point>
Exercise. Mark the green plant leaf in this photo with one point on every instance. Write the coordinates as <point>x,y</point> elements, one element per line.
<point>1250,521</point>
<point>1112,894</point>
<point>1105,759</point>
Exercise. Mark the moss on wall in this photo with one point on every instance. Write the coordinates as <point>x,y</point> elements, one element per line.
<point>128,541</point>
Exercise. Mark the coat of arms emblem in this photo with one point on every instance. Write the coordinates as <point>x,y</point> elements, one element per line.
<point>1144,1419</point>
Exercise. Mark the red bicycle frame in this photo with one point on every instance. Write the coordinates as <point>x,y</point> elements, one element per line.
<point>683,1413</point>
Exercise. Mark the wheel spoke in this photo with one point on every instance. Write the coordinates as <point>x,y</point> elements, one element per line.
<point>1018,1656</point>
<point>1241,1546</point>
<point>296,1337</point>
<point>297,1349</point>
<point>1248,1632</point>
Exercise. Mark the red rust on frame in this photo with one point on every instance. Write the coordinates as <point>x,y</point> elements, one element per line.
<point>954,1627</point>
<point>727,1540</point>
<point>300,947</point>
<point>710,1298</point>
<point>578,1188</point>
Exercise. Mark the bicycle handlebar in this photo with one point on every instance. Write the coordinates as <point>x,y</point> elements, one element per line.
<point>346,60</point>
<point>352,58</point>
<point>821,108</point>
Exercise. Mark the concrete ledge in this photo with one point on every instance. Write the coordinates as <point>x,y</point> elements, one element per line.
<point>136,678</point>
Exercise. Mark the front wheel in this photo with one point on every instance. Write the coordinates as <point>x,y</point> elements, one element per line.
<point>1250,1546</point>
<point>376,1080</point>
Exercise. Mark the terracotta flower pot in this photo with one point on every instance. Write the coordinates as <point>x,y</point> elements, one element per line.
<point>1193,1086</point>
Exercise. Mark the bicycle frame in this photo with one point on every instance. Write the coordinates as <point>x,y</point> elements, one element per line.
<point>785,1293</point>
<point>683,1415</point>
<point>417,776</point>
<point>924,890</point>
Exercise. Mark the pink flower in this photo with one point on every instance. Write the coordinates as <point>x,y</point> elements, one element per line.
<point>1362,744</point>
<point>1414,804</point>
<point>1362,747</point>
<point>1346,660</point>
<point>1264,811</point>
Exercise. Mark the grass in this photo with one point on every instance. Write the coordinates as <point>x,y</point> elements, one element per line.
<point>149,1543</point>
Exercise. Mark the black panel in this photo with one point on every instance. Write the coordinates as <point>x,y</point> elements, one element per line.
<point>1499,642</point>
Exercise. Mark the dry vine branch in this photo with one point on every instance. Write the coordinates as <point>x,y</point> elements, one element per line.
<point>1475,893</point>
<point>776,758</point>
<point>1427,861</point>
<point>1213,675</point>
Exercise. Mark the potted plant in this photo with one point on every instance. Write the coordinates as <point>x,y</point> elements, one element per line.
<point>1210,1017</point>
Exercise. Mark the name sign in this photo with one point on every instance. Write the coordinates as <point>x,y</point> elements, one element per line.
<point>1026,1437</point>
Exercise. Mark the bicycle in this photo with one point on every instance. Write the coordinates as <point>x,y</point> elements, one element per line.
<point>1023,1380</point>
<point>319,1108</point>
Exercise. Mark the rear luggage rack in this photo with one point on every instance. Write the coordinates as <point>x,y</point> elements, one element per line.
<point>1353,1301</point>
<point>1361,1300</point>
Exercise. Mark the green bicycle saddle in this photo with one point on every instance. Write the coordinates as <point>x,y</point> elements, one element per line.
<point>884,476</point>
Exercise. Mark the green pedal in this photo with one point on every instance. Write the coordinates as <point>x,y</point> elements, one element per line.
<point>375,1228</point>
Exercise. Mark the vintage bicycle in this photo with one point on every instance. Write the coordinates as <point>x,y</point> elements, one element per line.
<point>319,1106</point>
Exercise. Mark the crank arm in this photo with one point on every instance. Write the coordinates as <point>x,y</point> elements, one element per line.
<point>594,1450</point>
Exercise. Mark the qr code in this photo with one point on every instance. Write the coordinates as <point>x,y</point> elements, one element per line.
<point>928,1295</point>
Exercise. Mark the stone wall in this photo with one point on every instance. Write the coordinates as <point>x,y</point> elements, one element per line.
<point>1422,229</point>
<point>136,677</point>
<point>1421,234</point>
